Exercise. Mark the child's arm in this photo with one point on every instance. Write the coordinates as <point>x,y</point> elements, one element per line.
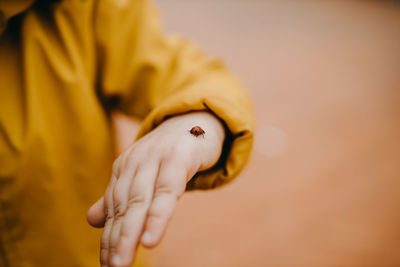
<point>144,73</point>
<point>147,180</point>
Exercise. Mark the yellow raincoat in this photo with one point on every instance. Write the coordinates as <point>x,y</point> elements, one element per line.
<point>63,66</point>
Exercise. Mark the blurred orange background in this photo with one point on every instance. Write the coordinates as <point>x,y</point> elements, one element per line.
<point>322,186</point>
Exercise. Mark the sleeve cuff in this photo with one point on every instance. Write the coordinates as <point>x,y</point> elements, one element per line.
<point>239,139</point>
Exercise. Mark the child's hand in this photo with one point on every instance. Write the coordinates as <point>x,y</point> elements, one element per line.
<point>147,180</point>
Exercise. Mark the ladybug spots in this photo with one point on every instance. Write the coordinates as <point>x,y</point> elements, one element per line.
<point>197,131</point>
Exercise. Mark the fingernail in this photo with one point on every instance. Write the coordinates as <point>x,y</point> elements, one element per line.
<point>116,260</point>
<point>146,238</point>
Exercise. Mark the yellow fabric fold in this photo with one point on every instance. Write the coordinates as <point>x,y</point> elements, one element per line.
<point>165,76</point>
<point>64,66</point>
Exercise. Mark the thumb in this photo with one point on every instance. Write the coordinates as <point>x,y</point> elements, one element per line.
<point>96,216</point>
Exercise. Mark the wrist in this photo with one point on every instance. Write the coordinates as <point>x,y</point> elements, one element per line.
<point>208,147</point>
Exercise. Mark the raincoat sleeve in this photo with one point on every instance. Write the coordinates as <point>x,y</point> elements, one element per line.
<point>154,77</point>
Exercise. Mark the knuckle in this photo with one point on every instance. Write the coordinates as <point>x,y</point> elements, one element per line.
<point>138,201</point>
<point>152,149</point>
<point>155,215</point>
<point>165,189</point>
<point>131,158</point>
<point>109,220</point>
<point>109,217</point>
<point>115,167</point>
<point>119,211</point>
<point>124,236</point>
<point>118,194</point>
<point>119,207</point>
<point>169,189</point>
<point>108,214</point>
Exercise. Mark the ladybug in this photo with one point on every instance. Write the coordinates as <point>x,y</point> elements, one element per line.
<point>197,131</point>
